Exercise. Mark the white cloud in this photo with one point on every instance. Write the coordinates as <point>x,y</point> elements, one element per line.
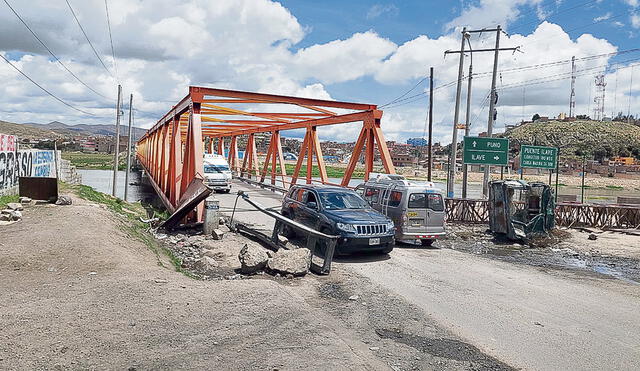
<point>635,20</point>
<point>378,9</point>
<point>633,3</point>
<point>603,17</point>
<point>250,45</point>
<point>491,12</point>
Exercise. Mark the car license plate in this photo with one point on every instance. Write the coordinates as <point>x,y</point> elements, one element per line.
<point>412,213</point>
<point>374,241</point>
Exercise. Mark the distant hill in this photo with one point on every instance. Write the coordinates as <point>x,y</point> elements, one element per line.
<point>87,130</point>
<point>594,137</point>
<point>23,131</point>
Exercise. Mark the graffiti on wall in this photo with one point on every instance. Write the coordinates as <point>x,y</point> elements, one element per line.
<point>15,163</point>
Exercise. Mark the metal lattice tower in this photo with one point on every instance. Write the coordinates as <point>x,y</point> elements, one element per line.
<point>572,99</point>
<point>599,99</point>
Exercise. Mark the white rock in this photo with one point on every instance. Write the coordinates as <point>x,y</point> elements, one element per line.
<point>294,262</point>
<point>15,206</point>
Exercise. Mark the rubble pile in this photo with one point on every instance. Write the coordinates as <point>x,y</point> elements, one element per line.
<point>225,255</point>
<point>13,212</point>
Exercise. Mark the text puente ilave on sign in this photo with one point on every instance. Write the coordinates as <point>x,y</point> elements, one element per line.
<point>486,151</point>
<point>538,157</point>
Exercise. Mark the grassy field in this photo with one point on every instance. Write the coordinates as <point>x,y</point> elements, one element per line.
<point>94,161</point>
<point>4,200</point>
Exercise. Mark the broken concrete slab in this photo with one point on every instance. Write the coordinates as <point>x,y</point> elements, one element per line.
<point>64,200</point>
<point>294,262</point>
<point>25,200</point>
<point>15,206</point>
<point>217,234</point>
<point>253,258</point>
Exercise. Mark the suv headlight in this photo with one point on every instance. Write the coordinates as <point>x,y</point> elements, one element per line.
<point>390,225</point>
<point>346,227</point>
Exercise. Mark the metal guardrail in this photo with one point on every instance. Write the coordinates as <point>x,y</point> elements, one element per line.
<point>311,234</point>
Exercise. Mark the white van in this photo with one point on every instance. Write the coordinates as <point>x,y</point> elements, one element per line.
<point>217,173</point>
<point>417,209</point>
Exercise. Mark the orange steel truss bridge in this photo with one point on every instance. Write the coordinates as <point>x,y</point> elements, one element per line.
<point>210,119</point>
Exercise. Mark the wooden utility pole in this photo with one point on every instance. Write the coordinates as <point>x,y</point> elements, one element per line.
<point>126,174</point>
<point>117,145</point>
<point>430,125</point>
<point>456,115</point>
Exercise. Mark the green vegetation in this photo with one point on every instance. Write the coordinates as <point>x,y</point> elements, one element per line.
<point>93,161</point>
<point>615,187</point>
<point>132,225</point>
<point>593,139</point>
<point>4,200</point>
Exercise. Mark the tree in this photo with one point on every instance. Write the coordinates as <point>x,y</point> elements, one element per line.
<point>535,117</point>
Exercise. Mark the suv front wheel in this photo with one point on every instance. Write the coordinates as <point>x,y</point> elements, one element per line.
<point>388,249</point>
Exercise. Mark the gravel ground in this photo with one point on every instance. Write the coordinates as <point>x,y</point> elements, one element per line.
<point>80,293</point>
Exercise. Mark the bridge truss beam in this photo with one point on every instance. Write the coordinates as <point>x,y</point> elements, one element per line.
<point>207,119</point>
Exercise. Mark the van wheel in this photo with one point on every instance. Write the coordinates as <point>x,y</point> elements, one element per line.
<point>426,243</point>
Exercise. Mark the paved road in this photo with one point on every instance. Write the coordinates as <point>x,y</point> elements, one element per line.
<point>528,317</point>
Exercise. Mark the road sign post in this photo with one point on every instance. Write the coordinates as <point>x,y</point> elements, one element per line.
<point>486,151</point>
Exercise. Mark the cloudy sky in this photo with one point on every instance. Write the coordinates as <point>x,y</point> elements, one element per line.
<point>365,51</point>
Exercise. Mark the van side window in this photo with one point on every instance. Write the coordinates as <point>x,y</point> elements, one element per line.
<point>371,195</point>
<point>395,198</point>
<point>434,202</point>
<point>431,201</point>
<point>417,201</point>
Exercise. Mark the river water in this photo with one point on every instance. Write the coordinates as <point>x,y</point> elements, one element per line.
<point>102,180</point>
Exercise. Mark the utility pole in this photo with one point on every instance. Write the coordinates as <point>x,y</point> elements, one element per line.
<point>493,96</point>
<point>454,142</point>
<point>572,98</point>
<point>430,124</point>
<point>126,174</point>
<point>117,145</point>
<point>492,105</point>
<point>465,168</point>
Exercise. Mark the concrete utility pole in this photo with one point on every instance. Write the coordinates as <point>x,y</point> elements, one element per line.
<point>572,99</point>
<point>430,125</point>
<point>465,168</point>
<point>493,97</point>
<point>117,145</point>
<point>492,105</point>
<point>126,174</point>
<point>454,141</point>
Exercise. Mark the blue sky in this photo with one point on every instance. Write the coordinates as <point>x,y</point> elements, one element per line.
<point>367,51</point>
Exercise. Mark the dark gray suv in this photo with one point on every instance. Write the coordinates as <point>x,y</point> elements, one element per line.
<point>340,211</point>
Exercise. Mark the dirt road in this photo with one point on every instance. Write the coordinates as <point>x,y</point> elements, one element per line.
<point>78,293</point>
<point>528,317</point>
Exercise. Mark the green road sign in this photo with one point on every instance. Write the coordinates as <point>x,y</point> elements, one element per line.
<point>538,157</point>
<point>486,151</point>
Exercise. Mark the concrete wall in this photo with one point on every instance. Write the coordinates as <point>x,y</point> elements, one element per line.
<point>15,163</point>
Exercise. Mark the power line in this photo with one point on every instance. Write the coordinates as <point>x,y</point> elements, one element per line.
<point>50,52</point>
<point>45,90</point>
<point>113,53</point>
<point>405,93</point>
<point>555,14</point>
<point>87,37</point>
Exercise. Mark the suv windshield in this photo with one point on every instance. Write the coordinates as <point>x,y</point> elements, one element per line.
<point>342,200</point>
<point>215,168</point>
